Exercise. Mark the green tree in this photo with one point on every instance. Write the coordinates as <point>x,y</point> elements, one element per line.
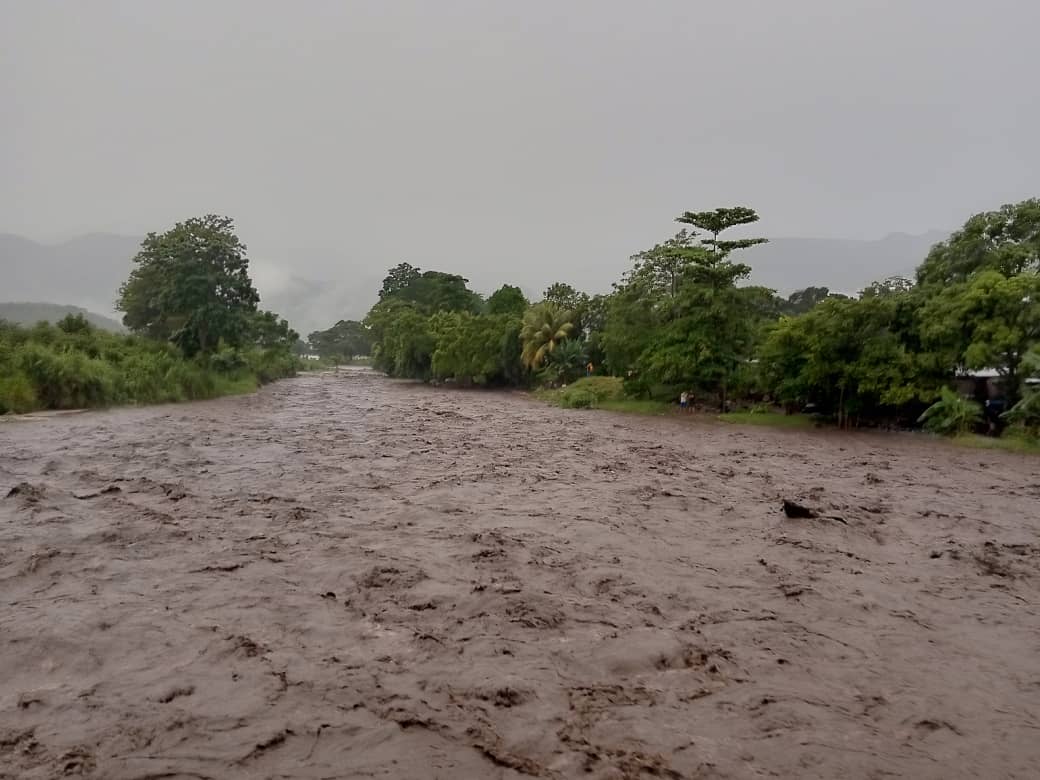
<point>1006,240</point>
<point>269,331</point>
<point>397,279</point>
<point>507,299</point>
<point>74,323</point>
<point>345,340</point>
<point>892,285</point>
<point>709,336</point>
<point>987,321</point>
<point>545,325</point>
<point>644,301</point>
<point>848,357</point>
<point>801,301</point>
<point>438,291</point>
<point>475,349</point>
<point>407,345</point>
<point>720,220</point>
<point>566,363</point>
<point>707,326</point>
<point>191,285</point>
<point>564,296</point>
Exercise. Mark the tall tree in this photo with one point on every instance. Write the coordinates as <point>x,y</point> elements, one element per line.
<point>564,296</point>
<point>719,220</point>
<point>191,285</point>
<point>662,269</point>
<point>507,299</point>
<point>1006,240</point>
<point>709,329</point>
<point>434,291</point>
<point>988,321</point>
<point>270,331</point>
<point>398,278</point>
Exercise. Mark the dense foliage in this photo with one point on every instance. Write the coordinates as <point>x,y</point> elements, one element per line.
<point>343,342</point>
<point>75,365</point>
<point>683,318</point>
<point>196,333</point>
<point>191,286</point>
<point>951,414</point>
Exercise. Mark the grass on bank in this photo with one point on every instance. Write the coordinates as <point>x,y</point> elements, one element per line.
<point>607,392</point>
<point>637,406</point>
<point>771,419</point>
<point>1009,442</point>
<point>75,366</point>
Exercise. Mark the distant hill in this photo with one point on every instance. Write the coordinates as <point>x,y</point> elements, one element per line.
<point>843,265</point>
<point>85,271</point>
<point>31,313</point>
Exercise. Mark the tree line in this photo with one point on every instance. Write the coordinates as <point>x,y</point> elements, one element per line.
<point>196,331</point>
<point>683,317</point>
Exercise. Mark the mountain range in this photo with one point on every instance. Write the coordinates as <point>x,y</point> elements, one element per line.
<point>29,314</point>
<point>87,271</point>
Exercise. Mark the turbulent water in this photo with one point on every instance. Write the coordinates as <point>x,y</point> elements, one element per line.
<point>344,576</point>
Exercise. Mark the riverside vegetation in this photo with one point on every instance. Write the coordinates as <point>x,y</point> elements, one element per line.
<point>195,332</point>
<point>683,318</point>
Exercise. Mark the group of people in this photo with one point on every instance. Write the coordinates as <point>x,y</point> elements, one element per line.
<point>685,401</point>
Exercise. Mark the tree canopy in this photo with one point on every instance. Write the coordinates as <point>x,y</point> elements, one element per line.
<point>684,318</point>
<point>1006,240</point>
<point>507,299</point>
<point>191,285</point>
<point>344,341</point>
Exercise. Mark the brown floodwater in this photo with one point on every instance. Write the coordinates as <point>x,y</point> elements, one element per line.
<point>346,576</point>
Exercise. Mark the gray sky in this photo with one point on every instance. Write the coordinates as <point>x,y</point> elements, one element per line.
<point>474,136</point>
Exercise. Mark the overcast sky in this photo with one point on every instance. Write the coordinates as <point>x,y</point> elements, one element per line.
<point>474,135</point>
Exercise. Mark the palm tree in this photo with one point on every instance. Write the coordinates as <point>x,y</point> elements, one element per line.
<point>545,326</point>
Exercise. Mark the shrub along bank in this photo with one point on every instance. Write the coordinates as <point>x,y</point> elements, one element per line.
<point>74,365</point>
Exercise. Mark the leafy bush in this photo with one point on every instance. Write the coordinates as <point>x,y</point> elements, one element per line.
<point>1026,413</point>
<point>578,399</point>
<point>74,365</point>
<point>66,379</point>
<point>604,388</point>
<point>227,360</point>
<point>951,414</point>
<point>16,394</point>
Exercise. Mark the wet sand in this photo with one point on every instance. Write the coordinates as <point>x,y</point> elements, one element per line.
<point>344,576</point>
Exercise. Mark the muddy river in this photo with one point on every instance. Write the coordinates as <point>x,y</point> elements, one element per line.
<point>345,576</point>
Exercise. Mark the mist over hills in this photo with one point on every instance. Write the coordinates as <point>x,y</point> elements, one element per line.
<point>87,271</point>
<point>843,265</point>
<point>28,314</point>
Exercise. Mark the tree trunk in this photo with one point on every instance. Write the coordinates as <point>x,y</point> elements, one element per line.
<point>1012,385</point>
